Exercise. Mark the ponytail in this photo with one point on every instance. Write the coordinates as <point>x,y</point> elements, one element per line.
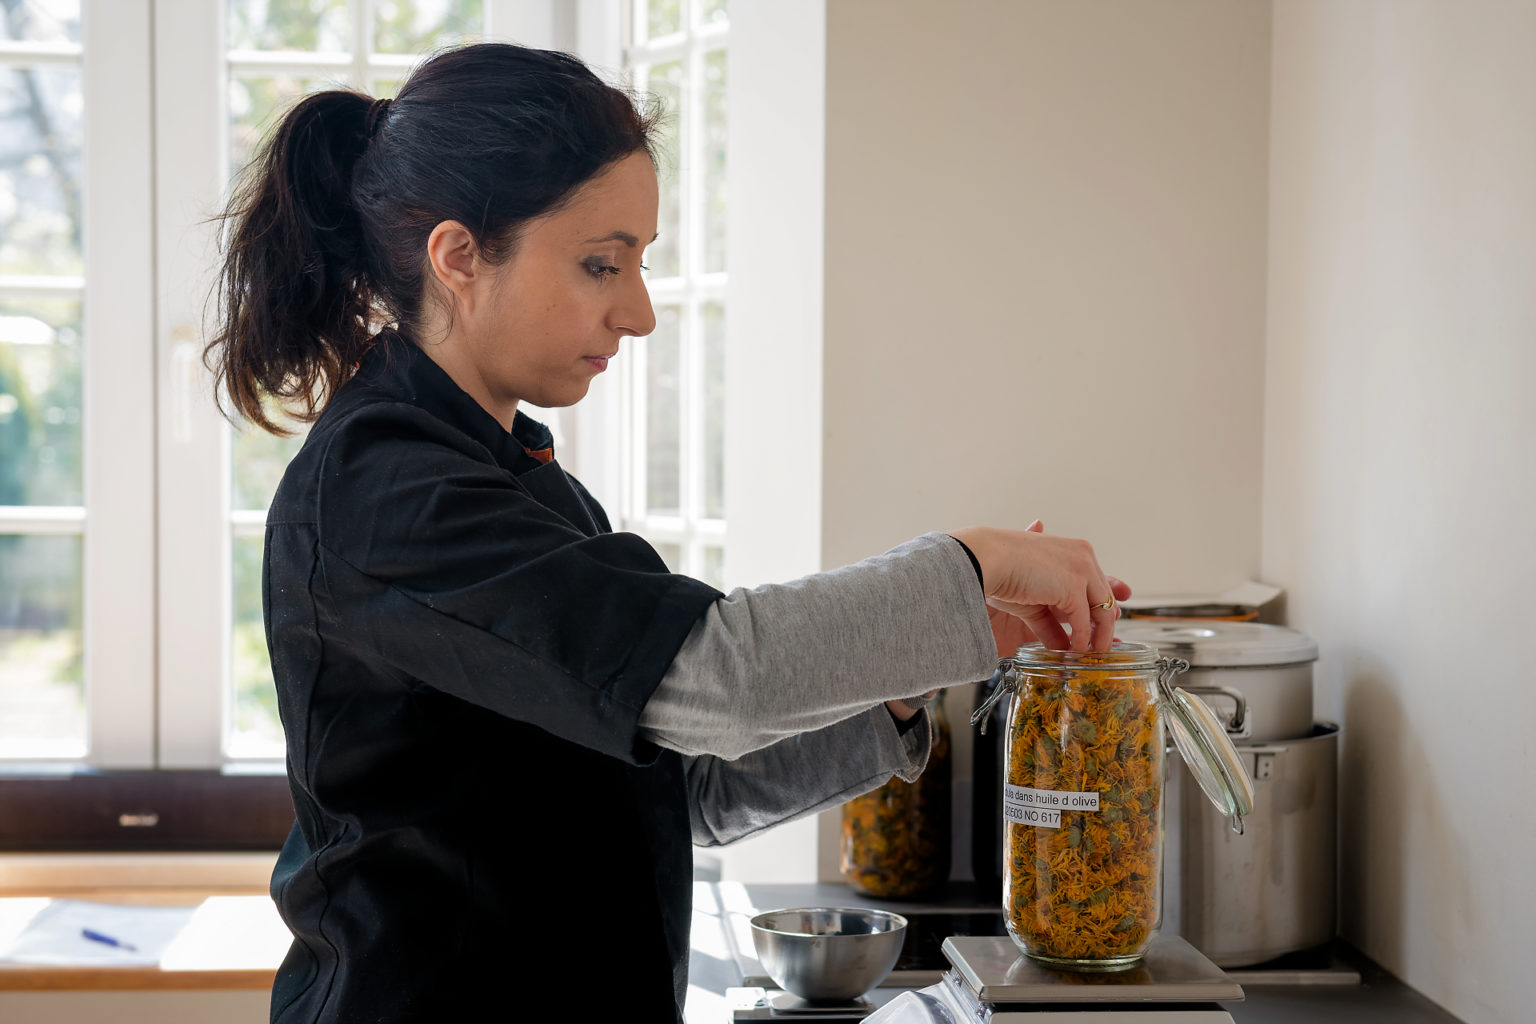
<point>294,300</point>
<point>328,226</point>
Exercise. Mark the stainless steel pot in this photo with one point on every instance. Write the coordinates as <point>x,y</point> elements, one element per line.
<point>1250,898</point>
<point>1256,677</point>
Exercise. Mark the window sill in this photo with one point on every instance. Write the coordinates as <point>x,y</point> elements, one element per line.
<point>160,875</point>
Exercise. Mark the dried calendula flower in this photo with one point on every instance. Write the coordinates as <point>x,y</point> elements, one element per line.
<point>1083,836</point>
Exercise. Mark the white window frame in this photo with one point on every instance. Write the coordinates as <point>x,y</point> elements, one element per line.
<point>117,520</point>
<point>690,530</point>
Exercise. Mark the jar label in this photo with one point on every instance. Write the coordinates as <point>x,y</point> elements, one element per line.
<point>1043,807</point>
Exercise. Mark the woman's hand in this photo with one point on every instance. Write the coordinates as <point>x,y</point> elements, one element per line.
<point>1036,584</point>
<point>1009,631</point>
<point>903,709</point>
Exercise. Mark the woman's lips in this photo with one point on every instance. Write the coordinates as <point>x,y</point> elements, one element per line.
<point>600,363</point>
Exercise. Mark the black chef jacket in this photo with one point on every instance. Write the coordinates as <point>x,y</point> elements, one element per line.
<point>462,650</point>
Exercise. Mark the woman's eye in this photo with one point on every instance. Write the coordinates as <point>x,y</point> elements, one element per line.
<point>601,270</point>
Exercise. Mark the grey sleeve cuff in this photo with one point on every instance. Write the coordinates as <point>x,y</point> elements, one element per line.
<point>802,775</point>
<point>765,664</point>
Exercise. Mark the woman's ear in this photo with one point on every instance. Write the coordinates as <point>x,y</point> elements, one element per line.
<point>452,252</point>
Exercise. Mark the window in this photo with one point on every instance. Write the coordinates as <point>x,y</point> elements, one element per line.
<point>76,416</point>
<point>131,514</point>
<point>672,383</point>
<point>42,290</point>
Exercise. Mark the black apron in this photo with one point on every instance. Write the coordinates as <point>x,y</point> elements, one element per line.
<point>462,649</point>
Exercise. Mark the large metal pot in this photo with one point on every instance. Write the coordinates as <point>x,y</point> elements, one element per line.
<point>1250,898</point>
<point>1256,677</point>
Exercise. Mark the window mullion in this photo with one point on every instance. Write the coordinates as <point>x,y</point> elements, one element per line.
<point>362,44</point>
<point>191,141</point>
<point>693,203</point>
<point>261,63</point>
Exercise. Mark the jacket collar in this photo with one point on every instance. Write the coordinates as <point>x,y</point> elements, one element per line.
<point>396,364</point>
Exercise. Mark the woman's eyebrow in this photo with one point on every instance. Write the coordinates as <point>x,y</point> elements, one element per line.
<point>621,236</point>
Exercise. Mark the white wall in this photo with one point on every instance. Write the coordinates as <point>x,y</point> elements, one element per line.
<point>992,261</point>
<point>1399,468</point>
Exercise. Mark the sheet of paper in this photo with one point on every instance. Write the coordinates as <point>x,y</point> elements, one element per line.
<point>230,933</point>
<point>56,934</point>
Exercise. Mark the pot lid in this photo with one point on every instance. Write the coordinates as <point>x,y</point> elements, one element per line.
<point>1211,644</point>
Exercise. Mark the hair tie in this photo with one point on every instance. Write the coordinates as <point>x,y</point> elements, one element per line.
<point>376,112</point>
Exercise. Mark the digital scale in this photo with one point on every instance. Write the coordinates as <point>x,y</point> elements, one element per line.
<point>991,982</point>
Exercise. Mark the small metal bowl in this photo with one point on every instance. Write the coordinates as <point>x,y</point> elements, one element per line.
<point>828,954</point>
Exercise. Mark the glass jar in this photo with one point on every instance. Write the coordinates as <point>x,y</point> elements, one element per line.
<point>896,839</point>
<point>1082,797</point>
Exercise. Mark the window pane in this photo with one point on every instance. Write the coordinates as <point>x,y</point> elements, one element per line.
<point>255,730</point>
<point>40,400</point>
<point>666,83</point>
<point>40,171</point>
<point>672,554</point>
<point>290,25</point>
<point>256,104</point>
<point>385,88</point>
<point>663,394</point>
<point>663,17</point>
<point>257,461</point>
<point>714,567</point>
<point>715,10</point>
<point>714,410</point>
<point>712,173</point>
<point>404,26</point>
<point>41,21</point>
<point>42,690</point>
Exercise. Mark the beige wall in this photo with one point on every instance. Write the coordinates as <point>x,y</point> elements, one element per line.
<point>1399,465</point>
<point>1044,277</point>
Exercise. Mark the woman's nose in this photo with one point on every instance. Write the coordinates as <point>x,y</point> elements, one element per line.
<point>634,315</point>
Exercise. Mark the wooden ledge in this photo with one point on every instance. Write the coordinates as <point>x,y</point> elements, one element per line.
<point>28,978</point>
<point>95,875</point>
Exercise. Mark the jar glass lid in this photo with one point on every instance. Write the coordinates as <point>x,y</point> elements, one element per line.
<point>1211,757</point>
<point>1119,655</point>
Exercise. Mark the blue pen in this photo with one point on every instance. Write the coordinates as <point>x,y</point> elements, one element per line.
<point>107,940</point>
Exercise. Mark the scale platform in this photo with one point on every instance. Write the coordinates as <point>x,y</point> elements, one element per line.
<point>991,982</point>
<point>996,984</point>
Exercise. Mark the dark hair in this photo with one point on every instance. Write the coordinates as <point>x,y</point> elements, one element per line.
<point>328,225</point>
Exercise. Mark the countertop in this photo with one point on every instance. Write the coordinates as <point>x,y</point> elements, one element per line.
<point>719,908</point>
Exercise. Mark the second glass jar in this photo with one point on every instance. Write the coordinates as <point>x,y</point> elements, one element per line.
<point>896,839</point>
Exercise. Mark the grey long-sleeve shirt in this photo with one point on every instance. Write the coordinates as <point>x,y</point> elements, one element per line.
<point>776,696</point>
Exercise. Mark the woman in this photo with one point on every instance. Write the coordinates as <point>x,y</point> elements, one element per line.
<point>505,723</point>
